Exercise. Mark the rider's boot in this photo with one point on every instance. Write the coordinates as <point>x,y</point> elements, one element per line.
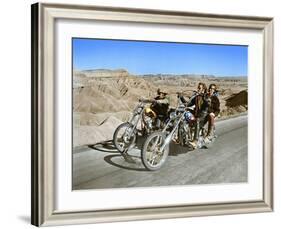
<point>194,144</point>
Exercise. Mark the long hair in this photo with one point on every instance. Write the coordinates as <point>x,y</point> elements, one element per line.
<point>213,85</point>
<point>204,87</point>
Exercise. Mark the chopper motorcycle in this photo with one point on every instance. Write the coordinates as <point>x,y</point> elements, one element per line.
<point>143,121</point>
<point>180,127</point>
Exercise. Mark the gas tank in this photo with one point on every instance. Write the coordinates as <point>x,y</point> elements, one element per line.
<point>189,117</point>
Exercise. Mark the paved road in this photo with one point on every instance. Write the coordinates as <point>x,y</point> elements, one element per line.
<point>224,161</point>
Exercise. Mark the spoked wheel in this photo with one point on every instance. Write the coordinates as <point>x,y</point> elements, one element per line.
<point>153,155</point>
<point>124,137</point>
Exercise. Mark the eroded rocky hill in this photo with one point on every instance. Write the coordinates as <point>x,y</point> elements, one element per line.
<point>102,99</point>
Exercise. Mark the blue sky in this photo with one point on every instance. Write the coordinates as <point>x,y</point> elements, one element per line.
<point>142,57</point>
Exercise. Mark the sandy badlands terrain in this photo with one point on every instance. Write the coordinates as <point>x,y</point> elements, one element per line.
<point>102,99</point>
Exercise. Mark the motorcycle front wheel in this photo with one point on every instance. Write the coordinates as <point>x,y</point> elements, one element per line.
<point>124,137</point>
<point>152,156</point>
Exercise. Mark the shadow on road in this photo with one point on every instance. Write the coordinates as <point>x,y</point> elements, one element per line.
<point>123,164</point>
<point>132,161</point>
<point>106,146</point>
<point>176,149</point>
<point>115,158</point>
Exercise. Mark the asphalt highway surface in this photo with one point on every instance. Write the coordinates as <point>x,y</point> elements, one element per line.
<point>225,160</point>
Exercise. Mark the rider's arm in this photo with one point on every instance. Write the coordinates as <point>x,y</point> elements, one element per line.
<point>216,105</point>
<point>163,101</point>
<point>191,101</point>
<point>182,99</point>
<point>146,100</point>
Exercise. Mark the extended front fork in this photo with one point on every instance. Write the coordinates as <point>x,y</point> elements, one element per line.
<point>135,122</point>
<point>171,134</point>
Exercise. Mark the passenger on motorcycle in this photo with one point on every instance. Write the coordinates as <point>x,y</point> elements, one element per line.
<point>199,99</point>
<point>214,110</point>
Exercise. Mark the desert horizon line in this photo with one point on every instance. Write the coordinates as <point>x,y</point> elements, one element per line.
<point>158,74</point>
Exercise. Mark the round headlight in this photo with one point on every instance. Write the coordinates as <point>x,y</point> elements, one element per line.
<point>173,115</point>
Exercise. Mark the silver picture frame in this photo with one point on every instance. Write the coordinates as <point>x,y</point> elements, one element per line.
<point>43,21</point>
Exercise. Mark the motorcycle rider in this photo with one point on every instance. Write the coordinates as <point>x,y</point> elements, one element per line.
<point>159,105</point>
<point>199,99</point>
<point>214,110</point>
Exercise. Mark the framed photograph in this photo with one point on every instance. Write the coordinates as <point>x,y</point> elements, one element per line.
<point>145,114</point>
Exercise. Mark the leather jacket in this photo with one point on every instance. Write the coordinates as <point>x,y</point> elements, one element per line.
<point>214,104</point>
<point>200,101</point>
